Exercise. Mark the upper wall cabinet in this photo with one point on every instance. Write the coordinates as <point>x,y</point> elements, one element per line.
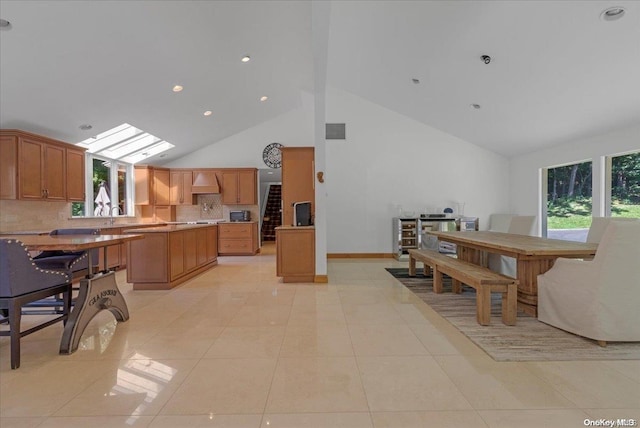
<point>152,185</point>
<point>33,167</point>
<point>8,167</point>
<point>181,185</point>
<point>239,186</point>
<point>75,175</point>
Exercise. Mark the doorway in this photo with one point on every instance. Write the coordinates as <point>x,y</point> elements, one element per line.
<point>270,183</point>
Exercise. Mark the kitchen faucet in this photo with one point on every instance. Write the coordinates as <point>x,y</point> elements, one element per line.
<point>112,219</point>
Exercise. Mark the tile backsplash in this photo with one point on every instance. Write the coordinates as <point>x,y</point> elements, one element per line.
<point>44,216</point>
<point>208,207</point>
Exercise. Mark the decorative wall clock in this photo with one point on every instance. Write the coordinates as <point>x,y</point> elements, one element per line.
<point>272,156</point>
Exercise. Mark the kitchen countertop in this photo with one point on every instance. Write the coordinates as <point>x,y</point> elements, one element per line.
<point>105,227</point>
<point>210,221</point>
<point>169,228</point>
<point>25,232</point>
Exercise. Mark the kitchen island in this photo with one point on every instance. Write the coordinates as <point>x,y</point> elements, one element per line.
<point>171,254</point>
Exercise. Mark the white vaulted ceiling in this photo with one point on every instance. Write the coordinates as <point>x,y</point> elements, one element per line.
<point>558,71</point>
<point>105,63</point>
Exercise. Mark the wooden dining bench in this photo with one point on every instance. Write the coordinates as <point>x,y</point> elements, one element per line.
<point>483,280</point>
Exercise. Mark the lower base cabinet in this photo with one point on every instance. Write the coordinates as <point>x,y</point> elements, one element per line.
<point>238,238</point>
<point>296,253</point>
<point>170,255</point>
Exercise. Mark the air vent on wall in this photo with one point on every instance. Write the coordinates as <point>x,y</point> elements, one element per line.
<point>335,131</point>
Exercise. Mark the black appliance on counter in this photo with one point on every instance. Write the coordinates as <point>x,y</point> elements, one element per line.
<point>302,213</point>
<point>241,215</point>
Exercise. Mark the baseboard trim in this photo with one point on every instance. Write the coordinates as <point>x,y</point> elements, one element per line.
<point>322,279</point>
<point>360,255</point>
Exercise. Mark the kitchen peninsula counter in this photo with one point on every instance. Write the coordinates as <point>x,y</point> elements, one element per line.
<point>171,254</point>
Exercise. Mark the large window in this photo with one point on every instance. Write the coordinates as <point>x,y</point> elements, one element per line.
<point>109,185</point>
<point>569,201</point>
<point>624,193</point>
<point>110,159</point>
<point>567,195</point>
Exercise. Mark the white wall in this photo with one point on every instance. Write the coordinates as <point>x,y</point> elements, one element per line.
<point>389,160</point>
<point>525,170</point>
<point>244,149</point>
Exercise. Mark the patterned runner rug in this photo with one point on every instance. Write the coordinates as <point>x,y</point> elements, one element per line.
<point>528,340</point>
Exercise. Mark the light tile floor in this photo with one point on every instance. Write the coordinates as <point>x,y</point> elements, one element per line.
<point>235,347</point>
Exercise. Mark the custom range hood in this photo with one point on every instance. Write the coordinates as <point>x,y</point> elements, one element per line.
<point>205,181</point>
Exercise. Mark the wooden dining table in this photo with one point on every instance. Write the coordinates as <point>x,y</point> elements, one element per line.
<point>534,255</point>
<point>98,291</point>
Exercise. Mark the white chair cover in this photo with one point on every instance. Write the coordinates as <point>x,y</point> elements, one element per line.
<point>519,225</point>
<point>599,298</point>
<point>599,224</point>
<point>500,222</point>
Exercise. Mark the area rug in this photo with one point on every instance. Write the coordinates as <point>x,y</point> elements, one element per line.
<point>528,340</point>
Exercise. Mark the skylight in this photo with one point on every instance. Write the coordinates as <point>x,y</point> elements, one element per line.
<point>126,143</point>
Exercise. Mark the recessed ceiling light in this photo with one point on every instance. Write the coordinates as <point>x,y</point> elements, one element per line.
<point>612,13</point>
<point>5,25</point>
<point>476,106</point>
<point>208,113</point>
<point>415,81</point>
<point>246,58</point>
<point>85,127</point>
<point>177,88</point>
<point>264,98</point>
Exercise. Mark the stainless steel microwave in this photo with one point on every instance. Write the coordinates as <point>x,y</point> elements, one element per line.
<point>242,215</point>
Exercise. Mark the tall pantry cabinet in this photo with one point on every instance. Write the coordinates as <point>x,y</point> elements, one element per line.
<point>295,246</point>
<point>297,180</point>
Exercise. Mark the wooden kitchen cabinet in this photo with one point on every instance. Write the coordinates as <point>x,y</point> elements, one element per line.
<point>152,185</point>
<point>212,244</point>
<point>42,168</point>
<point>239,186</point>
<point>157,214</point>
<point>170,255</point>
<point>298,180</point>
<point>191,249</point>
<point>34,167</point>
<point>8,167</point>
<point>114,259</point>
<point>162,186</point>
<point>181,183</point>
<point>176,255</point>
<point>123,246</point>
<point>296,253</point>
<point>240,239</point>
<point>75,175</point>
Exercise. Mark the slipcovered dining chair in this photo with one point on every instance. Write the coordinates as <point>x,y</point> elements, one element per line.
<point>599,224</point>
<point>599,298</point>
<point>500,222</point>
<point>22,282</point>
<point>518,225</point>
